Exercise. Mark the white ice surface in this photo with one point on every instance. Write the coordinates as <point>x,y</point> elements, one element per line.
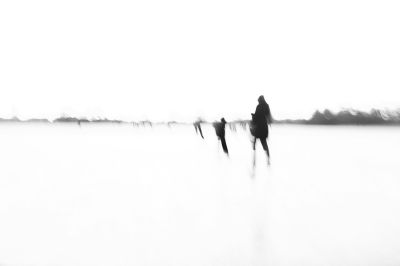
<point>119,195</point>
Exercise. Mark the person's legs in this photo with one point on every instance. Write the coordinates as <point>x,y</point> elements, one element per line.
<point>223,142</point>
<point>254,143</point>
<point>201,132</point>
<point>265,146</point>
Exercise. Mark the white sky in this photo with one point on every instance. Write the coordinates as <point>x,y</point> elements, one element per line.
<point>180,59</point>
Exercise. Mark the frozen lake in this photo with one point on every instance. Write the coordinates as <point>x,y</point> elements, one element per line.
<point>120,195</point>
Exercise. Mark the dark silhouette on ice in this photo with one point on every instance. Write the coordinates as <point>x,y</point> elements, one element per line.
<point>197,127</point>
<point>220,131</point>
<point>260,121</point>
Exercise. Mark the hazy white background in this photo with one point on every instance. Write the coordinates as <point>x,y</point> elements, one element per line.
<point>120,195</point>
<point>180,59</point>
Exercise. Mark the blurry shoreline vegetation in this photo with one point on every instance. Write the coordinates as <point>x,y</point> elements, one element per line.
<point>349,117</point>
<point>325,117</point>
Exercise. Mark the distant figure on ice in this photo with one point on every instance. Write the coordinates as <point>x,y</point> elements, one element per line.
<point>197,127</point>
<point>220,131</point>
<point>260,121</point>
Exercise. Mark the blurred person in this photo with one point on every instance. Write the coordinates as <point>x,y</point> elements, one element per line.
<point>220,131</point>
<point>260,121</point>
<point>197,127</point>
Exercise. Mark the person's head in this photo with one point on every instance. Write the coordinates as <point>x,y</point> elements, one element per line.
<point>223,120</point>
<point>261,100</point>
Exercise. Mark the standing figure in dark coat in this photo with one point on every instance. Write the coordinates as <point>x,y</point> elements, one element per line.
<point>220,131</point>
<point>261,119</point>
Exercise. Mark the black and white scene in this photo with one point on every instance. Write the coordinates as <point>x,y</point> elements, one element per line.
<point>199,133</point>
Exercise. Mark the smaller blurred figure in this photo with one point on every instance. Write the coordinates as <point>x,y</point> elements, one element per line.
<point>197,127</point>
<point>220,131</point>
